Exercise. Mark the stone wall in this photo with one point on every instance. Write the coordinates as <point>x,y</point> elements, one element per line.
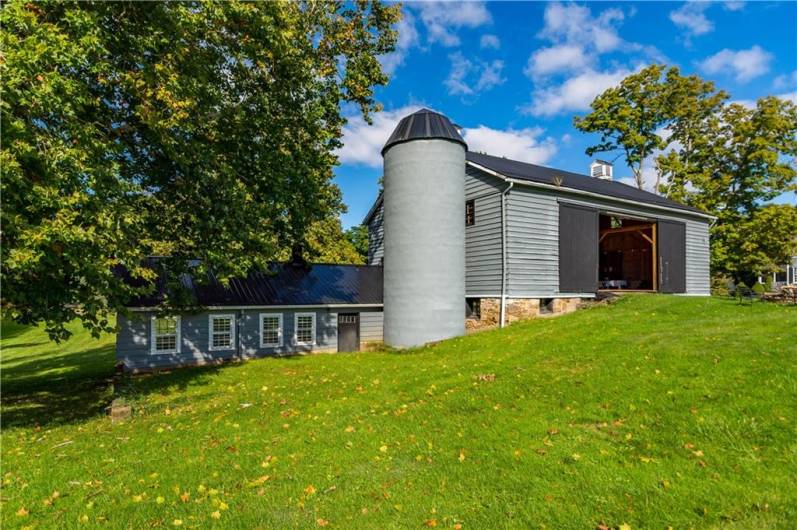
<point>517,309</point>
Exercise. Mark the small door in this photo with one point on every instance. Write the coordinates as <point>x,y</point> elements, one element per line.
<point>348,332</point>
<point>671,237</point>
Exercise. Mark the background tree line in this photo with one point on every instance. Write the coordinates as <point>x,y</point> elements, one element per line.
<point>703,150</point>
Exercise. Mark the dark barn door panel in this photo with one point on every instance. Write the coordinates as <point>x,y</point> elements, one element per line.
<point>672,257</point>
<point>348,332</point>
<point>578,249</point>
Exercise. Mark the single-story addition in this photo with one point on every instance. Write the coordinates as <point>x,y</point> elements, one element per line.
<point>292,308</point>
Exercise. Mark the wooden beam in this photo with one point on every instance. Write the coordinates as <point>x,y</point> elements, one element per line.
<point>621,229</point>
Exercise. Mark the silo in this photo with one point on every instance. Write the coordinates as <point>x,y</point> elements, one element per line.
<point>424,224</point>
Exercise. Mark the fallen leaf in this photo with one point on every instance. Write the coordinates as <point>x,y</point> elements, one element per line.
<point>461,455</point>
<point>216,515</point>
<point>22,512</point>
<point>624,526</point>
<point>322,522</point>
<point>383,449</point>
<point>310,490</point>
<point>431,523</point>
<point>177,522</point>
<point>185,496</point>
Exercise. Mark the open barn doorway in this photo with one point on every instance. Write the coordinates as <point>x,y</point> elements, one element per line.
<point>627,253</point>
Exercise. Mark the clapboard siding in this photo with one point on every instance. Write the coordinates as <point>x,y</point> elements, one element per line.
<point>371,326</point>
<point>483,239</point>
<point>533,235</point>
<point>698,276</point>
<point>376,237</point>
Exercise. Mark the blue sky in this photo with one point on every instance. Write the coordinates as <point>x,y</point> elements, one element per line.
<point>513,74</point>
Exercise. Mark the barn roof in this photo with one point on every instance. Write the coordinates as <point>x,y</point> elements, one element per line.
<point>567,180</point>
<point>284,284</point>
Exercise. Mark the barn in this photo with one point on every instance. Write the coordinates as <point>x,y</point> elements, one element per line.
<point>457,240</point>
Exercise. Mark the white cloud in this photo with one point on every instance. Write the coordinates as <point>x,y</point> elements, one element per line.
<point>442,19</point>
<point>744,64</point>
<point>692,19</point>
<point>561,58</point>
<point>362,143</point>
<point>407,39</point>
<point>785,80</point>
<point>487,75</point>
<point>490,42</point>
<point>789,96</point>
<point>574,24</point>
<point>733,6</point>
<point>575,94</point>
<point>525,145</point>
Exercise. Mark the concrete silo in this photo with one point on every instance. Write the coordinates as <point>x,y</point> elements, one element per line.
<point>424,225</point>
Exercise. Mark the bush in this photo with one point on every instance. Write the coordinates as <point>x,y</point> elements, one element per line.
<point>722,286</point>
<point>768,284</point>
<point>759,289</point>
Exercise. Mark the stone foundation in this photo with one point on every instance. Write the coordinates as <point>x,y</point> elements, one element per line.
<point>517,309</point>
<point>521,309</point>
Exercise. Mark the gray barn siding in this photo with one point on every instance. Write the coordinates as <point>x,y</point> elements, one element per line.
<point>376,237</point>
<point>483,240</point>
<point>533,232</point>
<point>133,337</point>
<point>371,326</point>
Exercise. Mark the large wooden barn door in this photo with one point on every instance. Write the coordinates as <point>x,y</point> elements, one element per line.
<point>578,249</point>
<point>672,257</point>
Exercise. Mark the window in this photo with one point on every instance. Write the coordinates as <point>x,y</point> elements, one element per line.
<point>222,332</point>
<point>304,328</point>
<point>470,212</point>
<point>473,308</point>
<point>270,330</point>
<point>165,335</point>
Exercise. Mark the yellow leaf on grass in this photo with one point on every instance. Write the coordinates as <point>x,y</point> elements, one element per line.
<point>160,500</point>
<point>431,523</point>
<point>322,522</point>
<point>185,496</point>
<point>349,429</point>
<point>84,519</point>
<point>223,506</point>
<point>461,455</point>
<point>216,515</point>
<point>22,512</point>
<point>310,490</point>
<point>138,498</point>
<point>624,526</point>
<point>383,449</point>
<point>177,522</point>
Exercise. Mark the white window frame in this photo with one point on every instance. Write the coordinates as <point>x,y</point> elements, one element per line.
<point>296,329</point>
<point>152,338</point>
<point>211,318</point>
<point>278,344</point>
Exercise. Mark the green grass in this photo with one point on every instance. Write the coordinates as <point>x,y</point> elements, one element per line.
<point>655,411</point>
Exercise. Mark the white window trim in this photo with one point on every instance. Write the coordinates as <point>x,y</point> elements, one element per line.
<point>211,318</point>
<point>296,329</point>
<point>278,344</point>
<point>153,342</point>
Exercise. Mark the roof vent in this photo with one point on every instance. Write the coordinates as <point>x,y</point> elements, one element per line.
<point>601,169</point>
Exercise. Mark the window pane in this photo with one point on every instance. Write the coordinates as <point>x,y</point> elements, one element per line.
<point>222,340</point>
<point>165,334</point>
<point>271,331</point>
<point>304,328</point>
<point>221,324</point>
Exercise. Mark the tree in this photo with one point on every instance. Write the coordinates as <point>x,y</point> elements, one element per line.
<point>726,159</point>
<point>201,130</point>
<point>628,118</point>
<point>358,237</point>
<point>327,243</point>
<point>745,158</point>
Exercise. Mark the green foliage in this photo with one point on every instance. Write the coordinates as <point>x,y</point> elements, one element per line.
<point>327,243</point>
<point>759,288</point>
<point>189,130</point>
<point>358,237</point>
<point>726,159</point>
<point>680,408</point>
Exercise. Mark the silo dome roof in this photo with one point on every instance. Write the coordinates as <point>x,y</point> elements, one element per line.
<point>424,124</point>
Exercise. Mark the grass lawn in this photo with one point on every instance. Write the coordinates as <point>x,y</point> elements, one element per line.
<point>655,411</point>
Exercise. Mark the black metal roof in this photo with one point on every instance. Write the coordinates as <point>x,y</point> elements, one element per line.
<point>285,284</point>
<point>423,124</point>
<point>565,179</point>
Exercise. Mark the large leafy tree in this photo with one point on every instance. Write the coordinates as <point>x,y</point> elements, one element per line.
<point>197,130</point>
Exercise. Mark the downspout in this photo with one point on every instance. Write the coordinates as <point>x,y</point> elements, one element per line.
<point>503,253</point>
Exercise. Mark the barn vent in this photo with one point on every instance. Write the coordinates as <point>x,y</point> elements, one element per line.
<point>601,169</point>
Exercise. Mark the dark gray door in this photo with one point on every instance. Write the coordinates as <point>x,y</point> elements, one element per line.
<point>348,332</point>
<point>578,249</point>
<point>671,237</point>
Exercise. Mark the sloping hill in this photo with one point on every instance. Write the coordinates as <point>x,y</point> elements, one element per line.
<point>656,411</point>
